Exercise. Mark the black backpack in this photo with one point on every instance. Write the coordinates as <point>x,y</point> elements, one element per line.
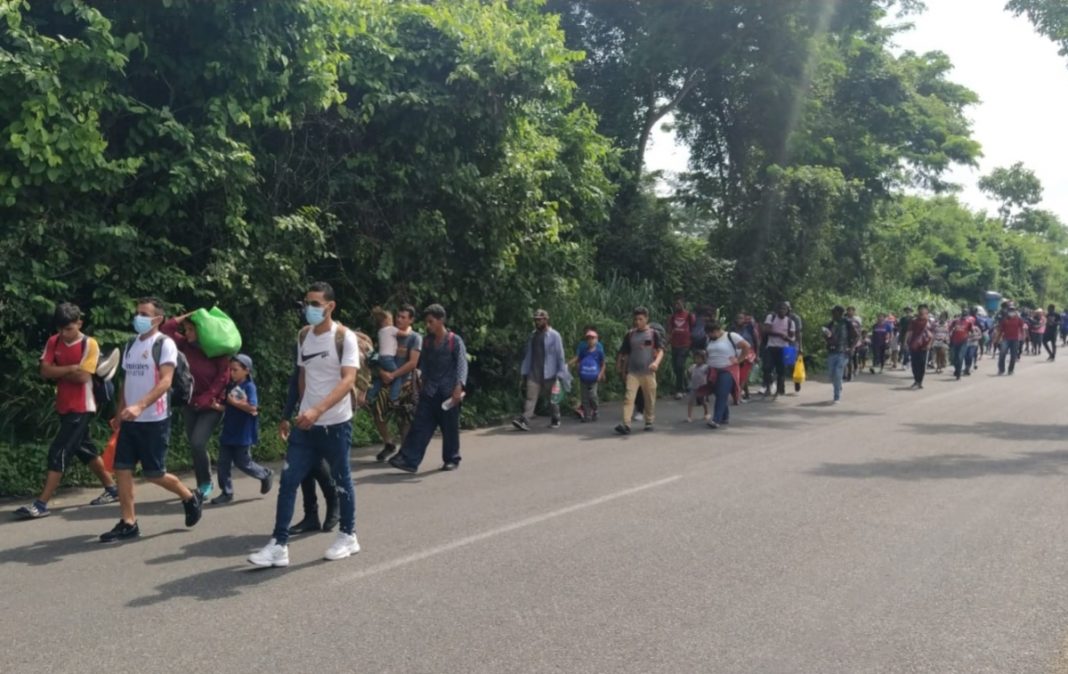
<point>182,383</point>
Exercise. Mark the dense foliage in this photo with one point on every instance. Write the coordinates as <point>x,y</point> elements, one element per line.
<point>484,154</point>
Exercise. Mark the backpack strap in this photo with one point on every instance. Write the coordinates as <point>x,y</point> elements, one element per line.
<point>339,342</point>
<point>302,335</point>
<point>157,351</point>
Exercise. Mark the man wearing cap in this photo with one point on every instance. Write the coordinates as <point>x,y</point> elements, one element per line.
<point>543,364</point>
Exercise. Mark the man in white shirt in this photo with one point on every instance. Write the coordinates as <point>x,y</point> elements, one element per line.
<point>328,356</point>
<point>149,362</point>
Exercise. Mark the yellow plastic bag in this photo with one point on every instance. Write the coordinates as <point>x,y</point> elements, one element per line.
<point>799,371</point>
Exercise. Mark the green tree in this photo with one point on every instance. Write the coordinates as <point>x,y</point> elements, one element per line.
<point>1016,187</point>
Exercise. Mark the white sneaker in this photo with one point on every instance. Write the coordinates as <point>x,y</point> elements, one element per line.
<point>345,545</point>
<point>271,554</point>
<point>638,416</point>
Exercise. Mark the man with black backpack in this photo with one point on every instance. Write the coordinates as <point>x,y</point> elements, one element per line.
<point>157,377</point>
<point>70,358</point>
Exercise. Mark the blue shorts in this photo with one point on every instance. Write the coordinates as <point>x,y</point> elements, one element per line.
<point>144,442</point>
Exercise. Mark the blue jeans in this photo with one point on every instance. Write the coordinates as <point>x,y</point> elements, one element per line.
<point>970,355</point>
<point>836,363</point>
<point>1009,347</point>
<point>240,456</point>
<point>428,417</point>
<point>721,411</point>
<point>386,364</point>
<point>306,448</point>
<point>958,354</point>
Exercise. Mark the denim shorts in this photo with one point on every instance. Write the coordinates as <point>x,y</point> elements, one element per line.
<point>146,443</point>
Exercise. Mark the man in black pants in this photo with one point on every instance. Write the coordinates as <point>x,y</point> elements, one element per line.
<point>918,339</point>
<point>319,474</point>
<point>780,329</point>
<point>1049,338</point>
<point>443,362</point>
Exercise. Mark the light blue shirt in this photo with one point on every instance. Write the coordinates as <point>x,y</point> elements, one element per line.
<point>555,362</point>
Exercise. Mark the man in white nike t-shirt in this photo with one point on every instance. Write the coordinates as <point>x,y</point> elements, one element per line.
<point>328,356</point>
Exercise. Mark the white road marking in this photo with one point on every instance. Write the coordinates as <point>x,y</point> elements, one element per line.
<point>530,521</point>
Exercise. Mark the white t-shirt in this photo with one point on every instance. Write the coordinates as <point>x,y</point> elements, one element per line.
<point>322,372</point>
<point>720,351</point>
<point>387,341</point>
<point>142,374</point>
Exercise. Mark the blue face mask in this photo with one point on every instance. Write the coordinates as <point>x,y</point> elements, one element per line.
<point>314,315</point>
<point>142,324</point>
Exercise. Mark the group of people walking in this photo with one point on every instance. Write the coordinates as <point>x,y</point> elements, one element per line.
<point>420,382</point>
<point>166,371</point>
<point>711,363</point>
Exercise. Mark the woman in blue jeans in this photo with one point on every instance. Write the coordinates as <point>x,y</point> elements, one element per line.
<point>725,351</point>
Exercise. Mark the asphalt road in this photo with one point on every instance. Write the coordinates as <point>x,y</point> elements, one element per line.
<point>902,531</point>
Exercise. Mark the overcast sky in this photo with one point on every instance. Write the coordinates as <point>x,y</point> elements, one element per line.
<point>1022,83</point>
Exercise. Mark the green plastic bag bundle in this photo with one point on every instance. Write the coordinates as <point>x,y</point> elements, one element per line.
<point>217,334</point>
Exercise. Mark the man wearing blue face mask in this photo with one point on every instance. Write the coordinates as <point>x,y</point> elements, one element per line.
<point>145,417</point>
<point>328,356</point>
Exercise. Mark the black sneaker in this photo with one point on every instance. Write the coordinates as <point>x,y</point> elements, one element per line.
<point>305,526</point>
<point>398,463</point>
<point>121,532</point>
<point>222,499</point>
<point>267,482</point>
<point>520,424</point>
<point>712,424</point>
<point>331,520</point>
<point>386,452</point>
<point>451,465</point>
<point>194,508</point>
<point>555,423</point>
<point>648,427</point>
<point>623,429</point>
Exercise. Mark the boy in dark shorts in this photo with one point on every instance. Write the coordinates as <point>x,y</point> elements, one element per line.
<point>70,358</point>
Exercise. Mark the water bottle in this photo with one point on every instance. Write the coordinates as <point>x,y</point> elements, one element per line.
<point>447,405</point>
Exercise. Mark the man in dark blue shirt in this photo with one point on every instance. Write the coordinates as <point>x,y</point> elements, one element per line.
<point>443,363</point>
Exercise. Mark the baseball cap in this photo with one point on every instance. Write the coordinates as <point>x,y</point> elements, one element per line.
<point>244,360</point>
<point>591,333</point>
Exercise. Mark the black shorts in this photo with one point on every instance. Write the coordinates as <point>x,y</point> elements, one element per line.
<point>144,442</point>
<point>72,440</point>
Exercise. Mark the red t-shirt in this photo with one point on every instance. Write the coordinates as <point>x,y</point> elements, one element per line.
<point>921,336</point>
<point>1012,327</point>
<point>962,327</point>
<point>681,327</point>
<point>73,397</point>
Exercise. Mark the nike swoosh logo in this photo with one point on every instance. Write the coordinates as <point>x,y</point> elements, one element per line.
<point>305,358</point>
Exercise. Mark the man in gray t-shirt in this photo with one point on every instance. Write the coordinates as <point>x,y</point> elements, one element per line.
<point>638,360</point>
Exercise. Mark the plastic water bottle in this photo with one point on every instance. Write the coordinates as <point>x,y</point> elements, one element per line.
<point>447,405</point>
